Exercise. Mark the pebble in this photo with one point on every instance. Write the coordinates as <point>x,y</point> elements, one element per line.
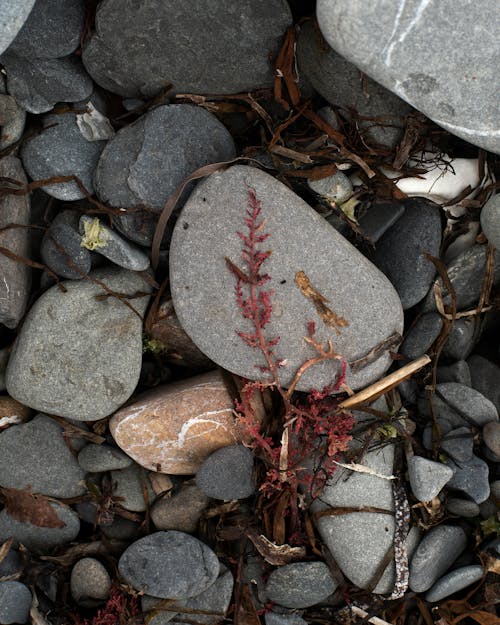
<point>62,150</point>
<point>39,84</point>
<point>462,507</point>
<point>427,478</point>
<point>399,253</point>
<point>227,473</point>
<point>457,372</point>
<point>442,411</point>
<point>471,478</point>
<point>4,359</point>
<point>99,458</point>
<point>454,581</point>
<point>213,50</point>
<point>90,582</point>
<point>11,563</point>
<point>129,486</point>
<point>273,618</point>
<point>379,218</point>
<point>335,188</point>
<point>113,247</point>
<point>359,293</point>
<point>12,119</point>
<point>15,278</point>
<point>121,529</point>
<point>146,161</point>
<point>484,378</point>
<point>488,508</point>
<point>14,14</point>
<point>83,362</point>
<point>421,336</point>
<point>495,489</point>
<point>461,340</point>
<point>169,565</point>
<point>490,222</point>
<point>62,252</point>
<point>300,584</point>
<point>181,511</point>
<point>15,603</point>
<point>437,551</point>
<point>41,539</point>
<point>468,402</point>
<point>175,427</point>
<point>36,455</point>
<point>458,444</point>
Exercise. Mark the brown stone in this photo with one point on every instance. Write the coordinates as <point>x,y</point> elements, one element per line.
<point>11,412</point>
<point>175,427</point>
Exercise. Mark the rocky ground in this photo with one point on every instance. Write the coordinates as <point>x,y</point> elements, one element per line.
<point>249,312</point>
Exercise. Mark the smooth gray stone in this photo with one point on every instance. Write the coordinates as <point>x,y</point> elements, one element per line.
<point>466,273</point>
<point>399,253</point>
<point>12,121</point>
<point>115,248</point>
<point>417,51</point>
<point>468,402</point>
<point>462,507</point>
<point>461,340</point>
<point>491,436</point>
<point>215,49</point>
<point>300,584</point>
<point>458,444</point>
<point>437,551</point>
<point>38,84</point>
<point>489,455</point>
<point>41,539</point>
<point>427,478</point>
<point>120,529</point>
<point>4,359</point>
<point>428,433</point>
<point>457,372</point>
<point>15,277</point>
<point>128,485</point>
<point>454,581</point>
<point>62,150</point>
<point>227,473</point>
<point>90,582</point>
<point>442,411</point>
<point>470,478</point>
<point>180,512</point>
<point>379,218</point>
<point>421,336</point>
<point>76,356</point>
<point>335,188</point>
<point>145,162</point>
<point>272,618</point>
<point>13,14</point>
<point>11,563</point>
<point>485,377</point>
<point>490,220</point>
<point>207,308</point>
<point>489,507</point>
<point>98,458</point>
<point>15,602</point>
<point>62,252</point>
<point>35,454</point>
<point>495,489</point>
<point>52,30</point>
<point>169,565</point>
<point>341,84</point>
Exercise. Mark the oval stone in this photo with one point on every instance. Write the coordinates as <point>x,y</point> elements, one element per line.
<point>174,428</point>
<point>203,288</point>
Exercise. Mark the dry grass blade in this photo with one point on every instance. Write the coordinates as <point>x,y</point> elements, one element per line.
<point>4,549</point>
<point>390,343</point>
<point>291,154</point>
<point>73,430</point>
<point>277,555</point>
<point>76,552</point>
<point>327,315</point>
<point>26,507</point>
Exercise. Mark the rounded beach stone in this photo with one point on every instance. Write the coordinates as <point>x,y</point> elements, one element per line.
<point>15,603</point>
<point>471,478</point>
<point>307,252</point>
<point>484,376</point>
<point>169,565</point>
<point>227,473</point>
<point>336,188</point>
<point>468,401</point>
<point>180,512</point>
<point>274,618</point>
<point>427,477</point>
<point>90,582</point>
<point>13,14</point>
<point>98,458</point>
<point>62,252</point>
<point>454,581</point>
<point>462,507</point>
<point>457,372</point>
<point>129,485</point>
<point>490,220</point>
<point>76,356</point>
<point>300,584</point>
<point>174,428</point>
<point>491,436</point>
<point>421,336</point>
<point>458,444</point>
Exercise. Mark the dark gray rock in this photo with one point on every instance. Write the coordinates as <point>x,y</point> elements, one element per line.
<point>442,411</point>
<point>454,581</point>
<point>13,14</point>
<point>98,458</point>
<point>273,618</point>
<point>90,582</point>
<point>180,512</point>
<point>15,603</point>
<point>62,150</point>
<point>41,539</point>
<point>427,478</point>
<point>495,489</point>
<point>458,444</point>
<point>227,473</point>
<point>484,378</point>
<point>470,478</point>
<point>414,49</point>
<point>215,49</point>
<point>462,507</point>
<point>430,437</point>
<point>491,436</point>
<point>38,84</point>
<point>468,402</point>
<point>379,218</point>
<point>15,278</point>
<point>76,356</point>
<point>207,308</point>
<point>457,372</point>
<point>461,340</point>
<point>129,485</point>
<point>145,162</point>
<point>490,220</point>
<point>421,336</point>
<point>113,247</point>
<point>11,563</point>
<point>300,584</point>
<point>121,529</point>
<point>62,252</point>
<point>489,507</point>
<point>340,82</point>
<point>437,551</point>
<point>169,565</point>
<point>399,253</point>
<point>4,359</point>
<point>12,120</point>
<point>35,454</point>
<point>52,29</point>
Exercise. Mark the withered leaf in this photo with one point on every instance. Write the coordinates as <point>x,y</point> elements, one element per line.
<point>327,315</point>
<point>26,507</point>
<point>4,549</point>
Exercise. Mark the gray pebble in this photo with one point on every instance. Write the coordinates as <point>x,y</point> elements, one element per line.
<point>467,402</point>
<point>121,529</point>
<point>90,582</point>
<point>453,582</point>
<point>489,507</point>
<point>471,478</point>
<point>458,444</point>
<point>227,473</point>
<point>490,222</point>
<point>442,411</point>
<point>335,188</point>
<point>379,218</point>
<point>14,13</point>
<point>12,121</point>
<point>97,458</point>
<point>421,336</point>
<point>180,512</point>
<point>62,252</point>
<point>15,603</point>
<point>11,563</point>
<point>464,335</point>
<point>457,372</point>
<point>491,436</point>
<point>462,507</point>
<point>484,378</point>
<point>495,489</point>
<point>273,618</point>
<point>129,484</point>
<point>427,478</point>
<point>300,584</point>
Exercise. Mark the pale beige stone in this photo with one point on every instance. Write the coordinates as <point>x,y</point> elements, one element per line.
<point>174,428</point>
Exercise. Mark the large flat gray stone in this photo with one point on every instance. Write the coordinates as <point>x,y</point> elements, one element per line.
<point>13,14</point>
